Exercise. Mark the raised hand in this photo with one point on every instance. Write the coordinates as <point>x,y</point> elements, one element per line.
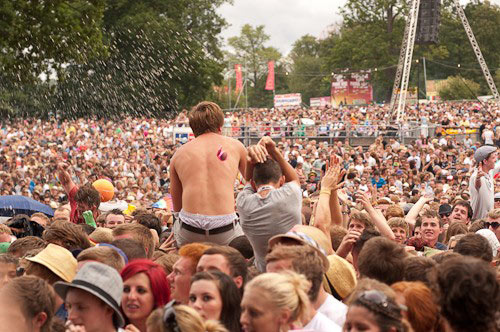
<point>364,200</point>
<point>347,243</point>
<point>257,153</point>
<point>332,178</point>
<point>268,143</point>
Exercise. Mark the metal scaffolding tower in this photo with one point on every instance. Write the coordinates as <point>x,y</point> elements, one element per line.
<point>477,51</point>
<point>400,87</point>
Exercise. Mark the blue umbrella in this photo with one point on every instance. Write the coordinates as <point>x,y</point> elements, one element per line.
<point>17,204</point>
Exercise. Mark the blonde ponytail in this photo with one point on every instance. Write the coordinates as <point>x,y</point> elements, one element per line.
<point>301,285</point>
<point>285,290</point>
<point>214,326</point>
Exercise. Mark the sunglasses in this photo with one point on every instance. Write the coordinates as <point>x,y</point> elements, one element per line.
<point>169,318</point>
<point>493,225</point>
<point>382,303</point>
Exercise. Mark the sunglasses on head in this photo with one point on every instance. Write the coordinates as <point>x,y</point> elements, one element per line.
<point>493,225</point>
<point>378,301</point>
<point>169,318</point>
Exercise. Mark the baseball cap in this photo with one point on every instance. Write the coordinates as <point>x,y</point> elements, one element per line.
<point>483,152</point>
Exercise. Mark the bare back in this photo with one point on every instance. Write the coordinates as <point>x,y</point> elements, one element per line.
<point>206,182</point>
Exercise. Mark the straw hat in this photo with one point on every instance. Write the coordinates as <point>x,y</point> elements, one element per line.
<point>58,260</point>
<point>340,279</point>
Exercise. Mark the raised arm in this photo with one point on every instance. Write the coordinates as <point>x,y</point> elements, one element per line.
<point>256,154</point>
<point>329,186</point>
<point>275,153</point>
<point>376,216</point>
<point>335,209</point>
<point>411,217</point>
<point>65,178</point>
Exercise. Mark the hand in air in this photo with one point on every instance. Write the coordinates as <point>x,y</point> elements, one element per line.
<point>257,154</point>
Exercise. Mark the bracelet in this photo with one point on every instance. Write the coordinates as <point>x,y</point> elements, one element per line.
<point>325,191</point>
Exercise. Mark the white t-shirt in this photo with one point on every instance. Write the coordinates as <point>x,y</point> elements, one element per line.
<point>360,169</point>
<point>482,201</point>
<point>488,137</point>
<point>320,323</point>
<point>334,310</point>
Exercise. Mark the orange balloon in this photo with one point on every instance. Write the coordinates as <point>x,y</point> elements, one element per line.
<point>105,188</point>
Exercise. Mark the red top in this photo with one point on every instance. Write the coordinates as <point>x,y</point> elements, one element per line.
<point>74,215</point>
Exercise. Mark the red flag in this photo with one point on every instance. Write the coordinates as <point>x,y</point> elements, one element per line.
<point>239,81</point>
<point>270,76</point>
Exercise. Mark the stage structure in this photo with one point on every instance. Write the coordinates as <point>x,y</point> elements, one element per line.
<point>400,88</point>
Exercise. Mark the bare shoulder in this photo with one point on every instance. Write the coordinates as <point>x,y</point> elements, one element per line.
<point>235,143</point>
<point>179,151</point>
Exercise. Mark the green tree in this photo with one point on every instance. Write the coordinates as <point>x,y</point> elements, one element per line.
<point>38,37</point>
<point>162,57</point>
<point>249,48</point>
<point>306,69</point>
<point>457,88</point>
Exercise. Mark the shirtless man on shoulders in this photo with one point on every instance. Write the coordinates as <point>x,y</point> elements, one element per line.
<point>202,176</point>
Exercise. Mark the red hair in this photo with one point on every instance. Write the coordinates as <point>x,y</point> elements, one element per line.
<point>156,275</point>
<point>423,312</point>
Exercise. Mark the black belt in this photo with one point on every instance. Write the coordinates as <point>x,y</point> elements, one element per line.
<point>214,231</point>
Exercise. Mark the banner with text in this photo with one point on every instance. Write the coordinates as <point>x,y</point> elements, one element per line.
<point>351,89</point>
<point>288,101</point>
<point>320,102</point>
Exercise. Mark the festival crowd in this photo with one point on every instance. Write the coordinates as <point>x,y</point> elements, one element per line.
<point>293,233</point>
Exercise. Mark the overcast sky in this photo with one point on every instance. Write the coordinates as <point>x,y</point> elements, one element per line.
<point>285,20</point>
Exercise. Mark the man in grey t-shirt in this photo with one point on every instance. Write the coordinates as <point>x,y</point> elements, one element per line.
<point>272,203</point>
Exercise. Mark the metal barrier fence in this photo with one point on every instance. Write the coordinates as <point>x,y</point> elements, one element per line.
<point>356,135</point>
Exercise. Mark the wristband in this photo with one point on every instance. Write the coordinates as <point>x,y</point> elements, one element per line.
<point>325,191</point>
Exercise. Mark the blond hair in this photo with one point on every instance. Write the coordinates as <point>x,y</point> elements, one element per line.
<point>102,235</point>
<point>188,320</point>
<point>394,211</point>
<point>4,229</point>
<point>139,233</point>
<point>205,117</point>
<point>105,255</point>
<point>494,214</point>
<point>399,222</point>
<point>285,290</point>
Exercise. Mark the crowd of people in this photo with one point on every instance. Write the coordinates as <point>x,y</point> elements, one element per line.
<point>293,233</point>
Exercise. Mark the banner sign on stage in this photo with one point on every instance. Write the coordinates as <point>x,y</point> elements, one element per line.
<point>351,89</point>
<point>288,100</point>
<point>320,102</point>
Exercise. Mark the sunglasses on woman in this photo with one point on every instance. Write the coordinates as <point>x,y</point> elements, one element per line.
<point>382,303</point>
<point>493,225</point>
<point>169,318</point>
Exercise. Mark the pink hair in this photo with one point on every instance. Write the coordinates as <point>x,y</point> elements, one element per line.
<point>156,275</point>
